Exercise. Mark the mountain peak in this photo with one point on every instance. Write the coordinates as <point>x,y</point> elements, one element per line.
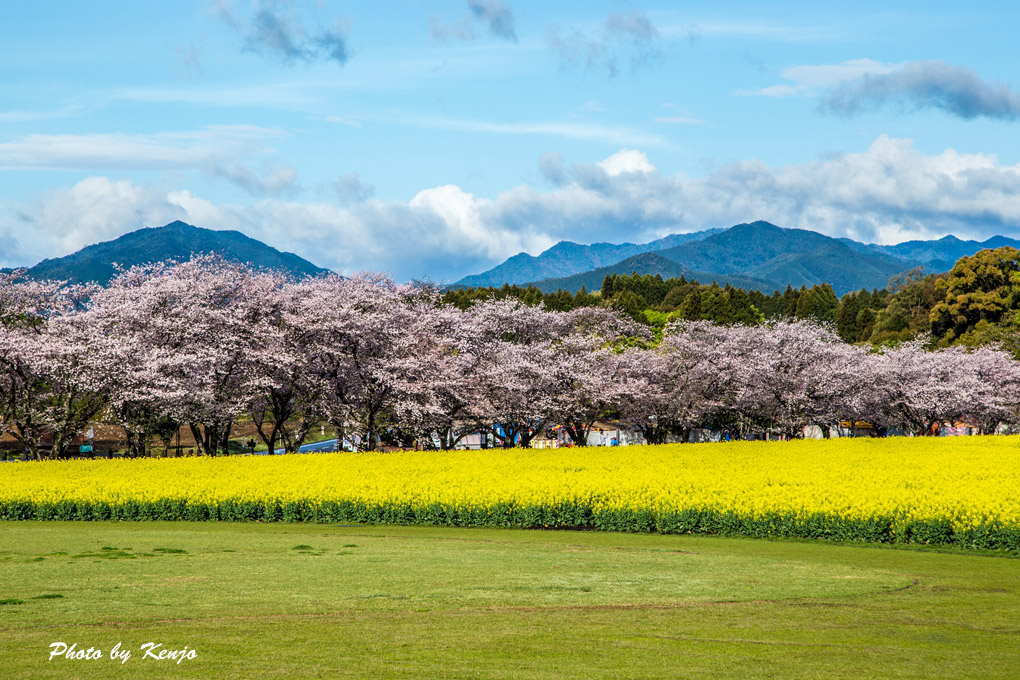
<point>175,241</point>
<point>761,224</point>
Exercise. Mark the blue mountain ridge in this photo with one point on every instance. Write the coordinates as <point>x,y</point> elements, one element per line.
<point>764,255</point>
<point>174,241</point>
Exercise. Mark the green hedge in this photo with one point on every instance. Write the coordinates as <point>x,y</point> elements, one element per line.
<point>994,536</point>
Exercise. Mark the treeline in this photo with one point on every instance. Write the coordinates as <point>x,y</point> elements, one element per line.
<point>638,294</point>
<point>976,303</point>
<point>206,342</point>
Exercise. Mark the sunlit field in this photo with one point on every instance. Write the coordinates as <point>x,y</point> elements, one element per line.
<point>303,600</point>
<point>961,491</point>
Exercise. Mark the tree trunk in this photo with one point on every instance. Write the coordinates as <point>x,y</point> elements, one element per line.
<point>224,437</point>
<point>206,437</point>
<point>528,433</point>
<point>270,439</point>
<point>129,436</point>
<point>509,434</point>
<point>370,433</point>
<point>57,451</point>
<point>578,433</point>
<point>293,441</point>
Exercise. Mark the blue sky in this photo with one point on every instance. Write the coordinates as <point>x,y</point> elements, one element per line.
<point>436,139</point>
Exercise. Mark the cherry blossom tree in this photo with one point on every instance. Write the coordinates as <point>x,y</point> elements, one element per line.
<point>365,351</point>
<point>24,308</point>
<point>54,380</point>
<point>996,398</point>
<point>927,388</point>
<point>682,383</point>
<point>205,341</point>
<point>587,383</point>
<point>191,340</point>
<point>513,388</point>
<point>434,408</point>
<point>144,346</point>
<point>285,408</point>
<point>855,390</point>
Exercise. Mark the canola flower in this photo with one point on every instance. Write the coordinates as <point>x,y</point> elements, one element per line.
<point>962,491</point>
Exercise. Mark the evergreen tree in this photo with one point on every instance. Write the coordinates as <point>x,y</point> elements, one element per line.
<point>690,308</point>
<point>846,316</point>
<point>608,286</point>
<point>790,299</point>
<point>715,306</point>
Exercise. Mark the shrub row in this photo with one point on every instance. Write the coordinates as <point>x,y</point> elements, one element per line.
<point>995,536</point>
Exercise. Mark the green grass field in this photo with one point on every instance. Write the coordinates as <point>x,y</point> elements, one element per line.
<point>295,601</point>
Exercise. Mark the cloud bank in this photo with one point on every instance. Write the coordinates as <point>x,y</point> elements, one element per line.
<point>888,193</point>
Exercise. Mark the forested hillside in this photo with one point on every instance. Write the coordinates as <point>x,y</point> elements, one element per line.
<point>977,302</point>
<point>175,241</point>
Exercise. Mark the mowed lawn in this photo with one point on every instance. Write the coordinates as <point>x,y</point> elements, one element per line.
<point>294,601</point>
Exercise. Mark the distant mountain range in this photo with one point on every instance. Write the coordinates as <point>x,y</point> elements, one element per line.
<point>175,241</point>
<point>567,258</point>
<point>938,255</point>
<point>648,263</point>
<point>757,255</point>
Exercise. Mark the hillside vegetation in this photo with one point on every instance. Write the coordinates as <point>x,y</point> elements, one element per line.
<point>758,255</point>
<point>977,302</point>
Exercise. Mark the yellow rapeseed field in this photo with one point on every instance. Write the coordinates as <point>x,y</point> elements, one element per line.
<point>959,484</point>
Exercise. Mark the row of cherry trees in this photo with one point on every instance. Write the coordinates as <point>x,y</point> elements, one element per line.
<point>205,342</point>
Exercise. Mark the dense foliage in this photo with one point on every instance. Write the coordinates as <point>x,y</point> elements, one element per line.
<point>980,299</point>
<point>960,492</point>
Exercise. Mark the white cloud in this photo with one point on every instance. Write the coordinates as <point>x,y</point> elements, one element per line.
<point>350,189</point>
<point>226,151</point>
<point>95,209</point>
<point>22,116</point>
<point>550,164</point>
<point>273,179</point>
<point>626,161</point>
<point>809,79</point>
<point>351,122</point>
<point>120,151</point>
<point>774,91</point>
<point>887,193</point>
<point>574,130</point>
<point>827,75</point>
<point>859,85</point>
